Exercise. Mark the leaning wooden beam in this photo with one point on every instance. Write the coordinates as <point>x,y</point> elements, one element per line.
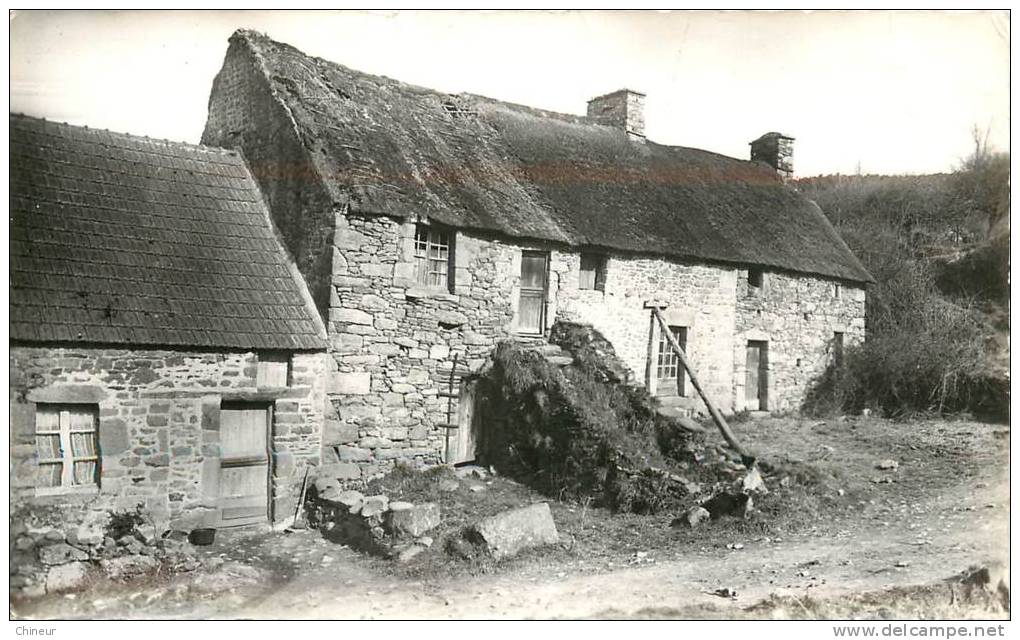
<point>717,417</point>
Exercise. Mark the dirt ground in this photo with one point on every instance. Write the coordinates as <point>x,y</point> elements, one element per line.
<point>841,538</point>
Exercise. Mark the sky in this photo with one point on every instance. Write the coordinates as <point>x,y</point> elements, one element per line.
<point>871,92</point>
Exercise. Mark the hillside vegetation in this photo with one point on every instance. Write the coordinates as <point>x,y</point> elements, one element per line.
<point>937,315</point>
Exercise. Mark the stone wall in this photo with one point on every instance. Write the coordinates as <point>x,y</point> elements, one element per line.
<point>698,297</point>
<point>797,315</point>
<point>158,428</point>
<point>394,343</point>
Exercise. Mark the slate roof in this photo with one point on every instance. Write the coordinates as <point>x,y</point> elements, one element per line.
<point>385,147</point>
<point>118,239</point>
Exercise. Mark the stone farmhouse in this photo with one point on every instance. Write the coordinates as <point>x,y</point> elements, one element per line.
<point>429,226</point>
<point>164,351</point>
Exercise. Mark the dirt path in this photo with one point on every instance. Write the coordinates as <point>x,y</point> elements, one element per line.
<point>859,560</point>
<point>945,509</point>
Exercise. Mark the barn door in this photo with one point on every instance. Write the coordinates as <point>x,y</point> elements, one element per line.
<point>244,464</point>
<point>756,381</point>
<point>534,281</point>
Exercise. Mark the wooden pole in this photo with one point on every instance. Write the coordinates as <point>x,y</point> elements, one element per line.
<point>717,417</point>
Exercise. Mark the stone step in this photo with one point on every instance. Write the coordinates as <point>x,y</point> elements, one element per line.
<point>549,349</point>
<point>559,361</point>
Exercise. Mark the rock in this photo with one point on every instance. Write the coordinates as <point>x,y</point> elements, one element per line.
<point>753,482</point>
<point>401,506</point>
<point>414,521</point>
<point>736,505</point>
<point>60,553</point>
<point>689,424</point>
<point>786,481</point>
<point>425,541</point>
<point>66,577</point>
<point>128,566</point>
<point>408,553</point>
<point>353,500</point>
<point>449,485</point>
<point>506,534</point>
<point>477,488</point>
<point>324,483</point>
<point>374,505</point>
<point>888,465</point>
<point>692,519</point>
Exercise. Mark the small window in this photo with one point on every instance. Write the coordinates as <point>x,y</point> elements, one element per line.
<point>273,370</point>
<point>837,291</point>
<point>837,348</point>
<point>66,445</point>
<point>433,256</point>
<point>755,277</point>
<point>593,272</point>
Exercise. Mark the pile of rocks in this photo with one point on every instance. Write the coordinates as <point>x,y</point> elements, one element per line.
<point>47,559</point>
<point>374,524</point>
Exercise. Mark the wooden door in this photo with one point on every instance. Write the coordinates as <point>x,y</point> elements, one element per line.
<point>462,443</point>
<point>244,464</point>
<point>756,381</point>
<point>534,281</point>
<point>668,370</point>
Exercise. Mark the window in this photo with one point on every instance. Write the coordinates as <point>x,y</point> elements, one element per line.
<point>593,272</point>
<point>432,257</point>
<point>66,445</point>
<point>837,348</point>
<point>837,291</point>
<point>273,370</point>
<point>755,277</point>
<point>668,368</point>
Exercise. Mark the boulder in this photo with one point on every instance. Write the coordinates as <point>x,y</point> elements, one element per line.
<point>408,553</point>
<point>60,553</point>
<point>374,505</point>
<point>887,465</point>
<point>353,500</point>
<point>692,519</point>
<point>506,534</point>
<point>128,566</point>
<point>413,521</point>
<point>66,577</point>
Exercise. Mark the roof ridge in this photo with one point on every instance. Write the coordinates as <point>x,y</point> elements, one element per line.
<point>129,136</point>
<point>258,38</point>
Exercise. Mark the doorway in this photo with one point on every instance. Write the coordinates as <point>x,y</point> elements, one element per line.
<point>244,483</point>
<point>534,286</point>
<point>756,381</point>
<point>668,370</point>
<point>462,442</point>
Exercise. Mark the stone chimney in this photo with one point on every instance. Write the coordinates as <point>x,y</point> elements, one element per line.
<point>623,110</point>
<point>775,150</point>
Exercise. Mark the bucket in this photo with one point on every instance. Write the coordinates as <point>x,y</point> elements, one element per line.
<point>202,537</point>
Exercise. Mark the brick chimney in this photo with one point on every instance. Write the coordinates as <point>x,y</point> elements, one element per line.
<point>775,150</point>
<point>623,109</point>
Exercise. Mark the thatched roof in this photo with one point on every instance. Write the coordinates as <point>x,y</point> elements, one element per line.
<point>118,239</point>
<point>389,148</point>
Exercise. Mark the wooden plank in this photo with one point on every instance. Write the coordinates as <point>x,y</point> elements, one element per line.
<point>717,417</point>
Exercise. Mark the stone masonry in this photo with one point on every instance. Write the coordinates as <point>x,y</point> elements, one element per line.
<point>394,343</point>
<point>158,428</point>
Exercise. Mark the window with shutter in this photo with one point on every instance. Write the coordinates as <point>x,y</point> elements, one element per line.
<point>67,446</point>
